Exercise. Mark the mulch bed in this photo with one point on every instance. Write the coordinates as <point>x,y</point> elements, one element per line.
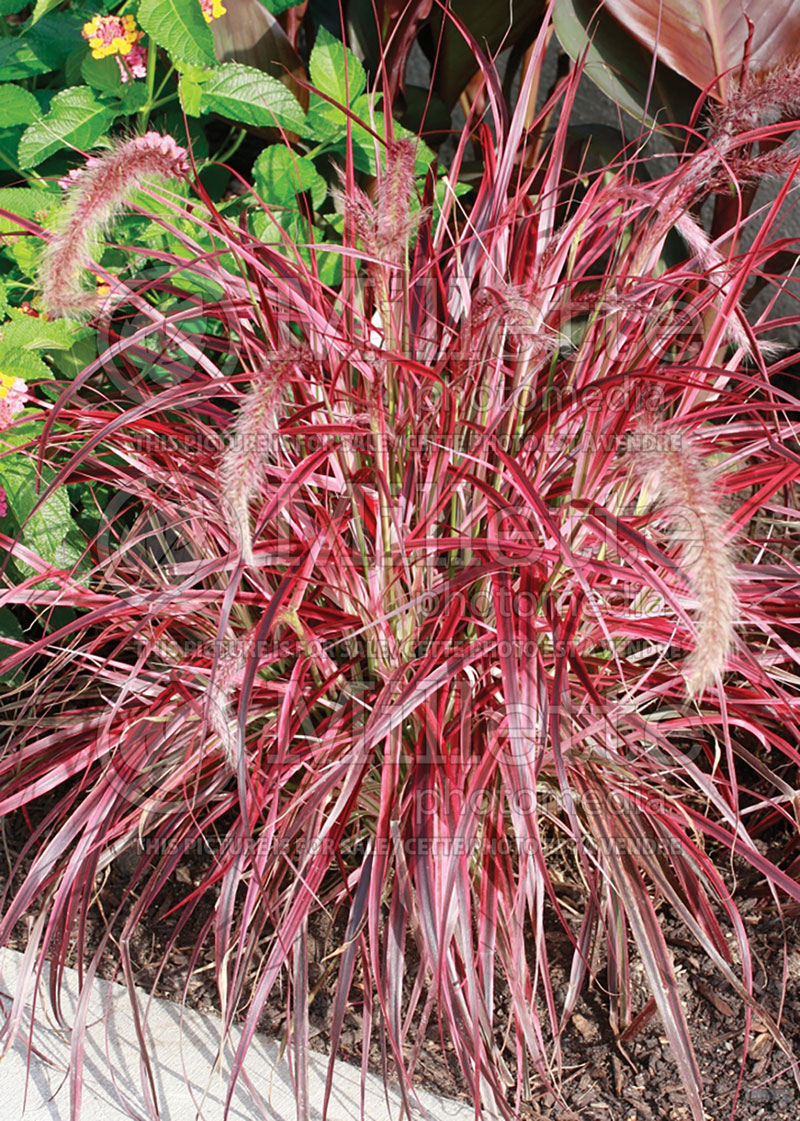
<point>603,1079</point>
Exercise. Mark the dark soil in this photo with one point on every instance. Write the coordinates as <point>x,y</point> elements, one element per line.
<point>603,1079</point>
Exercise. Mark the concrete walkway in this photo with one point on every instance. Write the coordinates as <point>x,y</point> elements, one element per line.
<point>182,1049</point>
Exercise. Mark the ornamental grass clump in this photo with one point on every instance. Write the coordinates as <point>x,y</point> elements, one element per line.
<point>418,589</point>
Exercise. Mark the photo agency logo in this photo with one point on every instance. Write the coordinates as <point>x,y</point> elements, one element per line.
<point>154,761</point>
<point>152,541</point>
<point>158,329</point>
<point>153,550</point>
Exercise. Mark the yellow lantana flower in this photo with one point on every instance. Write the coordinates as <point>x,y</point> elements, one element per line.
<point>212,9</point>
<point>110,35</point>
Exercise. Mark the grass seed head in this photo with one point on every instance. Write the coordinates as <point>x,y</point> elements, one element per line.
<point>670,467</point>
<point>95,195</point>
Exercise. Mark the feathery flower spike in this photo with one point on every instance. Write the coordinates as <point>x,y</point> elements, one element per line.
<point>95,195</point>
<point>394,222</point>
<point>386,226</point>
<point>251,446</point>
<point>222,718</point>
<point>671,468</point>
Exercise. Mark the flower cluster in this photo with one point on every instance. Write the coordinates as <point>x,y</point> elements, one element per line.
<point>110,35</point>
<point>212,9</point>
<point>13,397</point>
<point>118,36</point>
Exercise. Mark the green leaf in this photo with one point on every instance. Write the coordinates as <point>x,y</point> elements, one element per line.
<point>76,118</point>
<point>278,6</point>
<point>58,34</point>
<point>335,70</point>
<point>41,48</point>
<point>42,8</point>
<point>364,144</point>
<point>9,628</point>
<point>27,202</point>
<point>28,254</point>
<point>45,530</point>
<point>180,28</point>
<point>134,97</point>
<point>289,230</point>
<point>46,535</point>
<point>19,106</point>
<point>23,364</point>
<point>11,7</point>
<point>24,57</point>
<point>251,97</point>
<point>191,70</point>
<point>327,124</point>
<point>620,66</point>
<point>22,432</point>
<point>19,479</point>
<point>329,264</point>
<point>267,226</point>
<point>9,142</point>
<point>50,531</point>
<point>71,362</point>
<point>280,175</point>
<point>30,333</point>
<point>191,95</point>
<point>102,74</point>
<point>72,71</point>
<point>324,122</point>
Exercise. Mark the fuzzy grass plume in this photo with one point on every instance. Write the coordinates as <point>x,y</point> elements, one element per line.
<point>386,227</point>
<point>670,467</point>
<point>95,195</point>
<point>250,447</point>
<point>226,676</point>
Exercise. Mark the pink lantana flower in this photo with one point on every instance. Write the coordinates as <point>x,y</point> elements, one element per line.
<point>118,36</point>
<point>133,64</point>
<point>13,398</point>
<point>66,182</point>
